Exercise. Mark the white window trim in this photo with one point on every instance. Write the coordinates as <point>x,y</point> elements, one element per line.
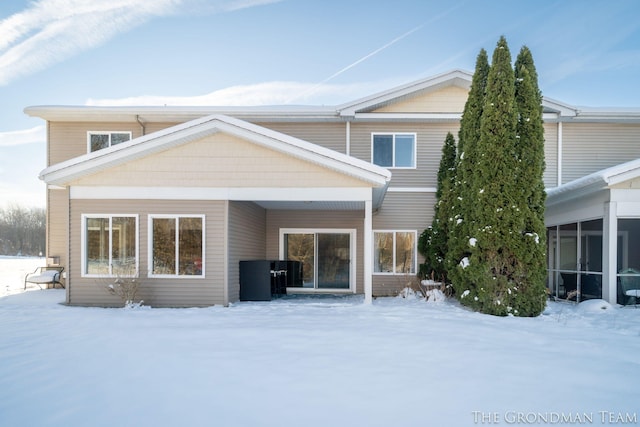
<point>150,247</point>
<point>415,252</point>
<point>106,132</point>
<point>353,241</point>
<point>83,243</point>
<point>394,134</point>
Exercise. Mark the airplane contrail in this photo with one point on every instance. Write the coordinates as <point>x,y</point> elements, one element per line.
<point>375,52</point>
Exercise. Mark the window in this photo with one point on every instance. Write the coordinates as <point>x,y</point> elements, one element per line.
<point>100,140</point>
<point>110,245</point>
<point>394,150</point>
<point>395,252</point>
<point>177,245</point>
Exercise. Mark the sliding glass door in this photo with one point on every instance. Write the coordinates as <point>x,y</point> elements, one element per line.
<point>325,256</point>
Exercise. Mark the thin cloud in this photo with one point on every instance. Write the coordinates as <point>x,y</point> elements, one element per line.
<point>50,31</point>
<point>266,93</point>
<point>21,137</point>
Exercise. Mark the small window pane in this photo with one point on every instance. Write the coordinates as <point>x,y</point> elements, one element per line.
<point>164,246</point>
<point>118,138</point>
<point>123,246</point>
<point>405,252</point>
<point>383,150</point>
<point>97,233</point>
<point>190,245</point>
<point>383,255</point>
<point>405,151</point>
<point>99,141</point>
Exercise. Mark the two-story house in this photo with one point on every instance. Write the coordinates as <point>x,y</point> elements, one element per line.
<point>181,195</point>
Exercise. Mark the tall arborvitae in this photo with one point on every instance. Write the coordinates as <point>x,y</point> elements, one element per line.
<point>530,155</point>
<point>433,242</point>
<point>493,270</point>
<point>461,199</point>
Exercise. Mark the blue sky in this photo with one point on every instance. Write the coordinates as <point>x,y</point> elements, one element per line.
<point>253,52</point>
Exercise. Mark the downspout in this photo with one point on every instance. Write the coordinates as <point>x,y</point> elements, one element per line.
<point>348,140</point>
<point>141,123</point>
<point>559,153</point>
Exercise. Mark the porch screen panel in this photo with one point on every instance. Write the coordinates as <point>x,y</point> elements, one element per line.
<point>628,261</point>
<point>591,259</point>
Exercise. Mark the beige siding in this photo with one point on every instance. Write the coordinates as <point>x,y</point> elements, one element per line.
<point>220,161</point>
<point>155,292</point>
<point>590,147</point>
<point>329,135</point>
<point>450,99</point>
<point>277,219</point>
<point>634,183</point>
<point>69,139</point>
<point>57,231</point>
<point>155,127</point>
<point>247,240</point>
<point>430,138</point>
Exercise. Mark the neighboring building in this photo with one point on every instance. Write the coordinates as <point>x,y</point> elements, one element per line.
<point>181,195</point>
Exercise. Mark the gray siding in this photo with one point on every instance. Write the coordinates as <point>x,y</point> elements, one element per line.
<point>156,292</point>
<point>401,211</point>
<point>247,240</point>
<point>329,135</point>
<point>277,219</point>
<point>590,147</point>
<point>430,139</point>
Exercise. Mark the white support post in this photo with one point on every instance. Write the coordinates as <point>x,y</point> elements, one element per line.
<point>610,253</point>
<point>368,252</point>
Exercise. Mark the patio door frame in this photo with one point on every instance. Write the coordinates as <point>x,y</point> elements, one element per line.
<point>352,257</point>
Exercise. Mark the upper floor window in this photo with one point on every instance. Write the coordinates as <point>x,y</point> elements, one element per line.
<point>100,140</point>
<point>394,150</point>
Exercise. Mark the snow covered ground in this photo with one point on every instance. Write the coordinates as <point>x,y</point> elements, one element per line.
<point>311,362</point>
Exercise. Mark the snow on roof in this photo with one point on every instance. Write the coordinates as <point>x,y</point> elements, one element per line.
<point>594,182</point>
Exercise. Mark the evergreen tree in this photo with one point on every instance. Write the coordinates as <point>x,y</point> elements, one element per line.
<point>493,270</point>
<point>461,199</point>
<point>529,179</point>
<point>433,242</point>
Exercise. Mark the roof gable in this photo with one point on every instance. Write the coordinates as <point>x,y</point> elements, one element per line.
<point>79,167</point>
<point>450,99</point>
<point>381,100</point>
<point>219,160</point>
